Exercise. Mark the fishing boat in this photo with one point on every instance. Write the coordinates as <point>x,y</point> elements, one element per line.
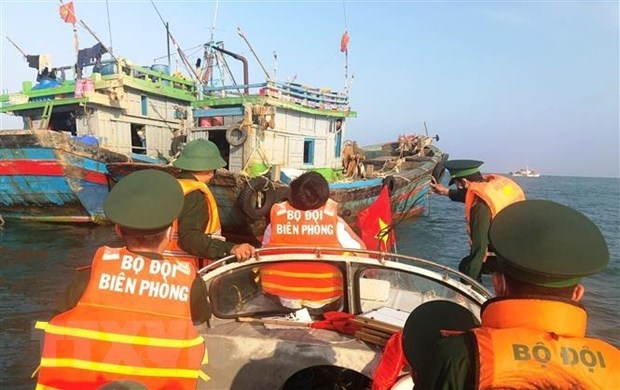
<point>136,116</point>
<point>527,172</point>
<point>255,341</point>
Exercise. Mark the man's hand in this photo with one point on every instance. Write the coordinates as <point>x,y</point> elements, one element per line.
<point>243,251</point>
<point>437,188</point>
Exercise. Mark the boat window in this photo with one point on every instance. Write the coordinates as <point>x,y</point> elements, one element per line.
<point>338,139</point>
<point>138,139</point>
<point>308,151</point>
<point>143,102</point>
<point>278,288</point>
<point>403,291</point>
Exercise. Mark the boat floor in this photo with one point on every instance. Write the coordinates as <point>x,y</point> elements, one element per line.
<point>278,353</point>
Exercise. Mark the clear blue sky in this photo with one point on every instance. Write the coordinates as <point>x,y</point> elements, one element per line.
<point>512,83</point>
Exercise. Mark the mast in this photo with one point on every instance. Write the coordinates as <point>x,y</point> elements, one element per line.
<point>253,52</point>
<point>17,47</point>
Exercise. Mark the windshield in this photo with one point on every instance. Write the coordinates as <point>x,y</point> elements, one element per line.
<point>277,288</point>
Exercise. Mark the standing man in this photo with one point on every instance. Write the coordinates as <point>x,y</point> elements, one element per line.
<point>484,196</point>
<point>533,333</point>
<point>310,218</point>
<point>129,315</point>
<point>197,233</point>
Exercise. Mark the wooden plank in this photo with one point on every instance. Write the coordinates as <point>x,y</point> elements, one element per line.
<point>374,324</point>
<point>371,338</point>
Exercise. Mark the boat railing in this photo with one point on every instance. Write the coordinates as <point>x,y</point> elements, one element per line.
<point>61,87</point>
<point>321,98</point>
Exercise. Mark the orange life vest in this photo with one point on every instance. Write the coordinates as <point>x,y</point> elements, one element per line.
<point>496,191</point>
<point>213,229</point>
<point>307,280</point>
<point>133,322</point>
<point>541,344</point>
<point>391,364</point>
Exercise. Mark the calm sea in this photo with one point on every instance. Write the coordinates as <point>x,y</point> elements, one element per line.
<point>37,262</point>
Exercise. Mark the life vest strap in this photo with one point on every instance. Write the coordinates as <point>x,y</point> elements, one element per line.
<point>117,338</point>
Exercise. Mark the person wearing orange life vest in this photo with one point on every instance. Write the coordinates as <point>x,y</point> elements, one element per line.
<point>129,315</point>
<point>197,233</point>
<point>484,196</point>
<point>533,334</point>
<point>310,218</point>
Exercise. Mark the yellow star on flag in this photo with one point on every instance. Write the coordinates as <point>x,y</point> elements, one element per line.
<point>380,234</point>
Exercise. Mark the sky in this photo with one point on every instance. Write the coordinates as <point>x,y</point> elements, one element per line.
<point>511,83</point>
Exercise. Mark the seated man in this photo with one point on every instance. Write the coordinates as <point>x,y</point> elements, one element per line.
<point>310,218</point>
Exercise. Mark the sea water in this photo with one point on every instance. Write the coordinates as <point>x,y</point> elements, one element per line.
<point>38,260</point>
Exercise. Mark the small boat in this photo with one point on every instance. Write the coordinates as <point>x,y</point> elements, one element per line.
<point>254,341</point>
<point>525,173</point>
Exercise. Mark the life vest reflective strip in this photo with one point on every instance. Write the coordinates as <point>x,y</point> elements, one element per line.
<point>306,280</point>
<point>544,349</point>
<point>309,280</point>
<point>496,191</point>
<point>213,228</point>
<point>132,322</point>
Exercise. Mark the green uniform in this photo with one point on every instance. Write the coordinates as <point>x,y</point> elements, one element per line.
<point>192,224</point>
<point>199,306</point>
<point>448,365</point>
<point>479,224</point>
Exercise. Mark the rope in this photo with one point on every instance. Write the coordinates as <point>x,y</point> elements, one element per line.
<point>107,7</point>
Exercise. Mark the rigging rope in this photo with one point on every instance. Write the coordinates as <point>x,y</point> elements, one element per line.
<point>109,25</point>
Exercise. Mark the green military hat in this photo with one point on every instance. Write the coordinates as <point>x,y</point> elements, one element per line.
<point>425,323</point>
<point>547,244</point>
<point>145,200</point>
<point>462,168</point>
<point>200,155</point>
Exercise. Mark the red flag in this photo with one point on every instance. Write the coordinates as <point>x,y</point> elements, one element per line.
<point>375,223</point>
<point>344,42</point>
<point>67,13</point>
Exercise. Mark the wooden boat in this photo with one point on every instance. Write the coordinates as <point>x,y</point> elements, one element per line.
<point>268,132</point>
<point>253,341</point>
<point>50,176</point>
<point>55,168</point>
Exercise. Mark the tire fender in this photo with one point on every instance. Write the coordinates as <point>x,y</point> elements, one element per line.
<point>256,198</point>
<point>236,135</point>
<point>390,183</point>
<point>439,169</point>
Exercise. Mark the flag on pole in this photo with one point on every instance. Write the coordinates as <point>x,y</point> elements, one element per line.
<point>344,42</point>
<point>67,12</point>
<point>375,223</point>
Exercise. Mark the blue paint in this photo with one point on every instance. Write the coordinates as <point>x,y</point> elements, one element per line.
<point>356,184</point>
<point>85,163</point>
<point>28,154</point>
<point>35,190</point>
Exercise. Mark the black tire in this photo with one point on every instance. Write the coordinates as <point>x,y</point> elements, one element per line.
<point>439,169</point>
<point>236,135</point>
<point>255,189</point>
<point>177,142</point>
<point>390,183</point>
